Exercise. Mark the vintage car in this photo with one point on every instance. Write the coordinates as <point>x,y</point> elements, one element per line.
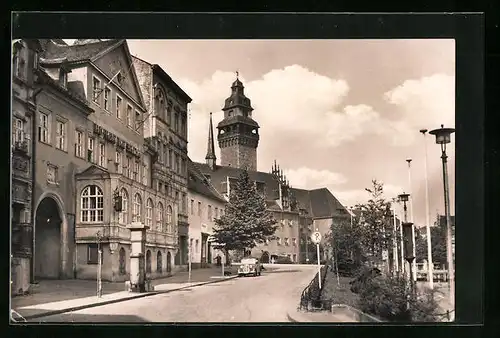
<point>250,266</point>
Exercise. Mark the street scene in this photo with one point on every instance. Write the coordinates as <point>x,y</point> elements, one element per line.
<point>264,184</point>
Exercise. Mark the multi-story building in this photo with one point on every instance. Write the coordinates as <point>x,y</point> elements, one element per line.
<point>95,171</point>
<point>294,209</point>
<point>165,127</point>
<point>205,205</point>
<point>24,61</point>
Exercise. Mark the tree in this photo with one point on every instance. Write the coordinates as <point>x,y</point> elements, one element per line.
<point>374,228</point>
<point>342,240</point>
<point>438,245</point>
<point>246,221</point>
<point>420,245</point>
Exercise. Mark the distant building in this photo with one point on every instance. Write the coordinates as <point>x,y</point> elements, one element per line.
<point>297,211</point>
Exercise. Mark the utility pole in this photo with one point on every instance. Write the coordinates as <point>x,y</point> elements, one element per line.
<point>430,265</point>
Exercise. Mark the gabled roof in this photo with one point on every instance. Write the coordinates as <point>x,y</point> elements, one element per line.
<point>198,183</point>
<point>55,54</point>
<point>219,175</point>
<point>93,170</point>
<point>324,204</point>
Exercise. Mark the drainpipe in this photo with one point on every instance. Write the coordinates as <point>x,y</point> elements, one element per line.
<point>33,180</point>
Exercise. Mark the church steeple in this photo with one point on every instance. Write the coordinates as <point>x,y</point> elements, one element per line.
<point>211,158</point>
<point>238,133</point>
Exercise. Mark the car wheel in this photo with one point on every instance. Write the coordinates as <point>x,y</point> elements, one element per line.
<point>255,274</point>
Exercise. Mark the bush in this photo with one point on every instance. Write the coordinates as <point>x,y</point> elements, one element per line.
<point>363,275</point>
<point>390,298</point>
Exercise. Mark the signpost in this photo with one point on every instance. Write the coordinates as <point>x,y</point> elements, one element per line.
<point>316,239</point>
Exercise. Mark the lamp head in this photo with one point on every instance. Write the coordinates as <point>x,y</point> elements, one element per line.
<point>423,131</point>
<point>404,197</point>
<point>443,135</point>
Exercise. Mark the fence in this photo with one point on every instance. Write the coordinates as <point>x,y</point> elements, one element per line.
<point>311,295</point>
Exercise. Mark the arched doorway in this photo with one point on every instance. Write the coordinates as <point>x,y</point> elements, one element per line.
<point>148,261</point>
<point>169,262</point>
<point>265,257</point>
<point>122,262</point>
<point>158,262</point>
<point>48,239</point>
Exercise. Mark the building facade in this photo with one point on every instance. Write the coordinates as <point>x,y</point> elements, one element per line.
<point>166,128</point>
<point>24,62</point>
<point>96,171</point>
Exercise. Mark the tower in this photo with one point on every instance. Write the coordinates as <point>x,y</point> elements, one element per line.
<point>211,158</point>
<point>238,134</point>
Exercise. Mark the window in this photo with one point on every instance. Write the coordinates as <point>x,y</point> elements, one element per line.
<point>183,203</point>
<point>192,207</point>
<point>118,162</point>
<point>129,116</point>
<point>52,173</point>
<point>136,217</point>
<point>122,262</point>
<point>61,135</point>
<point>136,170</point>
<point>90,150</point>
<point>171,158</point>
<point>209,213</point>
<point>118,107</point>
<point>169,114</point>
<point>159,217</point>
<point>177,197</point>
<point>129,167</point>
<point>102,154</point>
<point>149,213</point>
<point>123,215</point>
<point>145,174</point>
<point>93,253</point>
<point>107,95</point>
<point>43,128</point>
<point>63,78</point>
<point>148,261</point>
<point>278,241</point>
<point>176,123</point>
<point>183,127</point>
<point>96,90</point>
<point>294,241</point>
<point>178,169</point>
<point>158,262</point>
<point>199,208</point>
<point>138,121</point>
<point>169,218</point>
<point>92,204</point>
<point>18,131</point>
<point>216,212</point>
<point>79,144</point>
<point>18,61</point>
<point>286,241</point>
<point>196,246</point>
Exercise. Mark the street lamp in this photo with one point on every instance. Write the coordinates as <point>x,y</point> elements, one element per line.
<point>409,239</point>
<point>430,265</point>
<point>443,137</point>
<point>414,266</point>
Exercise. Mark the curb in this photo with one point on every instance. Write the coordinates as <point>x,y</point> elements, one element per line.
<point>111,301</point>
<point>294,319</point>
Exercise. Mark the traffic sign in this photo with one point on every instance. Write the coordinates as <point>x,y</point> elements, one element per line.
<point>316,237</point>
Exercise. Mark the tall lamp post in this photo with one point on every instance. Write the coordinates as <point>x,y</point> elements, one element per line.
<point>443,137</point>
<point>409,240</point>
<point>414,264</point>
<point>430,265</point>
<point>395,259</point>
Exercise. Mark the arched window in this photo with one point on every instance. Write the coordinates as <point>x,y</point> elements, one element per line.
<point>169,218</point>
<point>159,217</point>
<point>92,204</point>
<point>158,262</point>
<point>123,215</point>
<point>148,261</point>
<point>136,217</point>
<point>122,262</point>
<point>149,213</point>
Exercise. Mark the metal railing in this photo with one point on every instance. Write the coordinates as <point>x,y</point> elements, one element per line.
<point>311,295</point>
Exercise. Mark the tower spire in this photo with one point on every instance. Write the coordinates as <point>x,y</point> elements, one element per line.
<point>211,158</point>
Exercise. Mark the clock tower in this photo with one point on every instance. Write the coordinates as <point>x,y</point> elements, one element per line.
<point>238,133</point>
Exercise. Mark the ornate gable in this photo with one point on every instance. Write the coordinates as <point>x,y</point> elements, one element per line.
<point>93,171</point>
<point>116,59</point>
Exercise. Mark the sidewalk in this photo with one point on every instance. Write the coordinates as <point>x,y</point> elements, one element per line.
<point>59,296</point>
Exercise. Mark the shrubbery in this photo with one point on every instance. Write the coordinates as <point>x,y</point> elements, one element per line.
<point>390,298</point>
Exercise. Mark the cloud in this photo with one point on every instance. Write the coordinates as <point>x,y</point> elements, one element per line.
<point>308,178</point>
<point>360,196</point>
<point>426,102</point>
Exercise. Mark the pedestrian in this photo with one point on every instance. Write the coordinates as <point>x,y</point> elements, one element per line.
<point>218,260</point>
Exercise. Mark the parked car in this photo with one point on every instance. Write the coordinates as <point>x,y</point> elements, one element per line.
<point>250,267</point>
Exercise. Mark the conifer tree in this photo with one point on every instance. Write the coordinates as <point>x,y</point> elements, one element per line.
<point>246,221</point>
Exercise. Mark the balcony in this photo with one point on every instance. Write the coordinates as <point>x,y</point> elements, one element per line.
<point>21,147</point>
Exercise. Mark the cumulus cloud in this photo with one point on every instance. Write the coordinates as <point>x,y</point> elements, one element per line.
<point>426,102</point>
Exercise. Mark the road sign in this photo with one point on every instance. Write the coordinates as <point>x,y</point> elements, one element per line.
<point>316,237</point>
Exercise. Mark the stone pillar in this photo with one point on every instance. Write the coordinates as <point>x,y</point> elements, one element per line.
<point>137,281</point>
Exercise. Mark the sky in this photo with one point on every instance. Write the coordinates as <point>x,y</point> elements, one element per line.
<point>333,113</point>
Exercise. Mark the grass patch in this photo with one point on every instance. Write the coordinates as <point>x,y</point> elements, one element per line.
<point>338,292</point>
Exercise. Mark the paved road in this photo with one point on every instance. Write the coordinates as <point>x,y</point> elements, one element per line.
<point>250,299</point>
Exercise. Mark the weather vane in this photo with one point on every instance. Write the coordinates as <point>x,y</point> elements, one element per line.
<point>237,74</point>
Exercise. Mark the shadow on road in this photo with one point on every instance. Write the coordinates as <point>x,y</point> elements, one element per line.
<point>81,318</point>
<point>282,271</point>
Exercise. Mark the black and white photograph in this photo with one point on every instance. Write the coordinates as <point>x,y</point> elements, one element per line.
<point>233,180</point>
